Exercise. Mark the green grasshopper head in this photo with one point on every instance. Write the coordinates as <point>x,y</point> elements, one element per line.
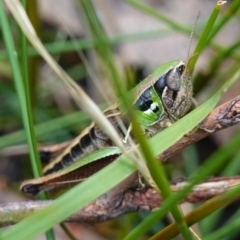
<point>164,96</point>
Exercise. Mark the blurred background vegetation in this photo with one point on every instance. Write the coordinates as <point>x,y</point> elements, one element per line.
<point>139,38</point>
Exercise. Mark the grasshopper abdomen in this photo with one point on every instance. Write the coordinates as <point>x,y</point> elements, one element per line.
<point>91,139</point>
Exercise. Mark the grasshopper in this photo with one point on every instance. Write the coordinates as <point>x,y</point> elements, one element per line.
<point>158,101</point>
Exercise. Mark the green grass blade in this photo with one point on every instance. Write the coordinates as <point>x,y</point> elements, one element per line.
<point>201,212</point>
<point>59,210</point>
<point>83,44</point>
<point>23,92</point>
<point>227,15</point>
<point>207,225</point>
<point>53,125</point>
<point>173,24</point>
<point>212,165</point>
<point>20,87</point>
<point>207,169</point>
<point>225,231</point>
<point>223,55</point>
<point>202,43</point>
<point>104,49</point>
<point>158,174</point>
<point>180,128</point>
<point>156,14</point>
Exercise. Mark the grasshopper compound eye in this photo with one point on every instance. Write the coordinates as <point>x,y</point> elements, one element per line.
<point>173,78</point>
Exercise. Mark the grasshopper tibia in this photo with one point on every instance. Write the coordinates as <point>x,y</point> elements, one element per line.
<point>31,189</point>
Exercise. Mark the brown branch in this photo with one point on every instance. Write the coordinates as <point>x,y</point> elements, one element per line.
<point>118,202</point>
<point>132,200</point>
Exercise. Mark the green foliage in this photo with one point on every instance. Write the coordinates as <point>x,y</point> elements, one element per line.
<point>224,161</point>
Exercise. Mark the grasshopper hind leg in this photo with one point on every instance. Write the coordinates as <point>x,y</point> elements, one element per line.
<point>48,153</point>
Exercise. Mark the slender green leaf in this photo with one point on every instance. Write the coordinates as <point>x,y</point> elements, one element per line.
<point>171,137</point>
<point>21,92</point>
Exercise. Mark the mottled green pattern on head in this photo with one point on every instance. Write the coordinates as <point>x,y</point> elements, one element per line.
<point>148,118</point>
<point>151,79</point>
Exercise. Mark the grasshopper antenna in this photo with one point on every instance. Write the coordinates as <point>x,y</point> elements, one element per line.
<point>188,58</point>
